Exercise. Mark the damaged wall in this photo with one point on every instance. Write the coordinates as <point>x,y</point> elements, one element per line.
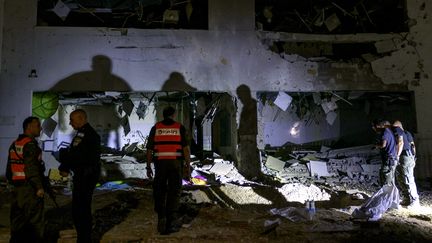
<point>412,64</point>
<point>219,60</point>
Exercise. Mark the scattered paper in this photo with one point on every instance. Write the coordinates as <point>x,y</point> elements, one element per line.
<point>283,100</point>
<point>61,9</point>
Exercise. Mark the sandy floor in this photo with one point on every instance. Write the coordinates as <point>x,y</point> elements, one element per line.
<point>231,213</point>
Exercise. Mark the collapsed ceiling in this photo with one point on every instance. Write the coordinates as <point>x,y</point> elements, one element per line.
<point>332,16</point>
<point>144,14</point>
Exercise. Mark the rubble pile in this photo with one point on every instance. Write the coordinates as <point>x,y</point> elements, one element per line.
<point>115,167</point>
<point>355,166</point>
<point>304,176</point>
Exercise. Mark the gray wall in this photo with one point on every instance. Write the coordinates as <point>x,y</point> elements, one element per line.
<point>229,54</point>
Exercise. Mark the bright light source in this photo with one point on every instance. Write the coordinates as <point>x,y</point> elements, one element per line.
<point>295,129</point>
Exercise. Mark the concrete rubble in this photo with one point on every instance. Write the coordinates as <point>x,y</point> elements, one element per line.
<point>302,177</point>
<point>355,165</point>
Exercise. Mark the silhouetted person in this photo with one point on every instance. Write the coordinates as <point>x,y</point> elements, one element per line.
<point>99,78</point>
<point>83,159</point>
<point>177,82</point>
<point>386,142</point>
<point>248,162</point>
<point>405,167</point>
<point>168,149</point>
<point>25,171</point>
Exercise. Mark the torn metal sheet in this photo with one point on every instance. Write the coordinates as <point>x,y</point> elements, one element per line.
<point>331,117</point>
<point>124,122</point>
<point>329,106</point>
<point>48,126</point>
<point>61,9</point>
<point>317,98</point>
<point>332,22</point>
<point>127,106</point>
<point>141,110</point>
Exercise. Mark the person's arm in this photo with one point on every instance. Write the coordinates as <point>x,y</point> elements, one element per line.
<point>413,148</point>
<point>411,142</point>
<point>186,153</point>
<point>400,145</point>
<point>8,168</point>
<point>382,144</point>
<point>149,153</point>
<point>32,170</point>
<point>149,160</point>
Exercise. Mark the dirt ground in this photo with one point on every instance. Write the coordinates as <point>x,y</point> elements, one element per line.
<point>128,216</point>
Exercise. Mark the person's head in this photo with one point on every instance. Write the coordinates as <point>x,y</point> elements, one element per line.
<point>168,112</point>
<point>379,124</point>
<point>244,92</point>
<point>32,126</point>
<point>78,118</point>
<point>398,124</point>
<point>101,63</point>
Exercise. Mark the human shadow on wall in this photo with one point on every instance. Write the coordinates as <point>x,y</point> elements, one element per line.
<point>99,78</point>
<point>248,162</point>
<point>177,82</point>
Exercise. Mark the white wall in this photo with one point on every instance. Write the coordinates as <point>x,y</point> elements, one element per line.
<point>217,60</point>
<point>1,27</point>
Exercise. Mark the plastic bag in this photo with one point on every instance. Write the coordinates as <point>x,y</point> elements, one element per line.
<point>373,209</point>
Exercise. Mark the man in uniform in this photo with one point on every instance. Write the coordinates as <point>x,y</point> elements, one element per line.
<point>83,159</point>
<point>405,168</point>
<point>168,148</point>
<point>25,171</point>
<point>387,144</point>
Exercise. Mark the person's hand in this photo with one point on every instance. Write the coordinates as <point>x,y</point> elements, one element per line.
<point>64,173</point>
<point>149,172</point>
<point>186,171</point>
<point>40,193</point>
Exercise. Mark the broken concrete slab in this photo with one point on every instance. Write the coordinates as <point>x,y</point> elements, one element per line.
<point>371,169</point>
<point>275,164</point>
<point>318,168</point>
<point>385,46</point>
<point>221,168</point>
<point>359,151</point>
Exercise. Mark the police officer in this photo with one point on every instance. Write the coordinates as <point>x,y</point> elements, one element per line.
<point>25,171</point>
<point>83,159</point>
<point>168,148</point>
<point>405,168</point>
<point>386,142</point>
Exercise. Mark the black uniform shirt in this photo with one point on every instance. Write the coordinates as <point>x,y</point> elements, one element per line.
<point>84,151</point>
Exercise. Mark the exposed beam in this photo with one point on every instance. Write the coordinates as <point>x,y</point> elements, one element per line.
<point>346,38</point>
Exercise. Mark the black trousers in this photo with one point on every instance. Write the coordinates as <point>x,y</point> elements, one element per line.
<point>82,195</point>
<point>167,187</point>
<point>26,215</point>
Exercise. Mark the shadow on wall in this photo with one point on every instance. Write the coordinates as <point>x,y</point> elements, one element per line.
<point>99,78</point>
<point>177,82</point>
<point>248,161</point>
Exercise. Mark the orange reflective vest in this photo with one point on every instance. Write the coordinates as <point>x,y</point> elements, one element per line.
<point>16,159</point>
<point>167,141</point>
